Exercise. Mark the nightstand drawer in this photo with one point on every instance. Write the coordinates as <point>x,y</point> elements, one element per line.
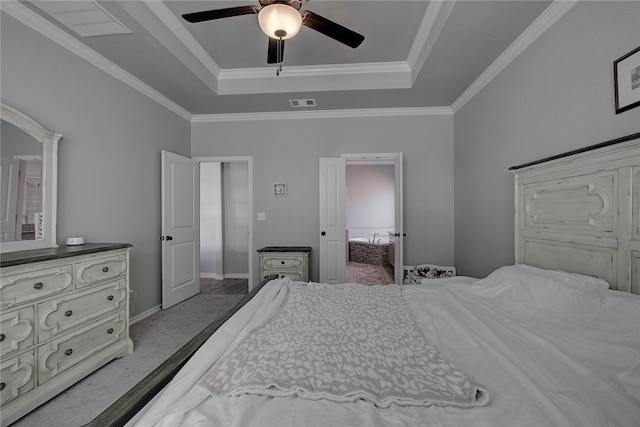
<point>16,330</point>
<point>282,262</point>
<point>293,275</point>
<point>70,311</point>
<point>23,288</point>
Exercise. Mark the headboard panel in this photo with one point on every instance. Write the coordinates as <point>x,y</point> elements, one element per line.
<point>579,212</point>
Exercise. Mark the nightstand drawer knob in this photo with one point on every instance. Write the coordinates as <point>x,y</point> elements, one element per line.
<point>68,352</point>
<point>2,337</point>
<point>110,297</point>
<point>68,313</point>
<point>2,386</point>
<point>38,286</point>
<point>110,330</point>
<point>282,262</point>
<point>105,269</point>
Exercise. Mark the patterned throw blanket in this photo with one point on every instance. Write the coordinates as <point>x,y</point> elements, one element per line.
<point>343,343</point>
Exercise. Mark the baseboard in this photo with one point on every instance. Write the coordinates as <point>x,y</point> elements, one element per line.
<point>211,276</point>
<point>236,276</point>
<point>218,276</point>
<point>144,315</point>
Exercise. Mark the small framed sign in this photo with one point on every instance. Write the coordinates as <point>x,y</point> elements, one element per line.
<point>626,79</point>
<point>280,189</point>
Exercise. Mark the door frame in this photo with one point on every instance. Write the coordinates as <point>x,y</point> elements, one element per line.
<point>249,161</point>
<point>399,206</point>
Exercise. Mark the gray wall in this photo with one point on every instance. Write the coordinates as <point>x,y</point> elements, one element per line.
<point>555,97</point>
<point>288,151</point>
<point>109,158</point>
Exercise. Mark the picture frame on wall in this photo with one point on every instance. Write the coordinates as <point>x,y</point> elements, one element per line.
<point>626,80</point>
<point>280,189</point>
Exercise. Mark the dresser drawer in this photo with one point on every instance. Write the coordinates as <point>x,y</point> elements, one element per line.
<point>99,270</point>
<point>61,314</point>
<point>64,352</point>
<point>16,330</point>
<point>16,377</point>
<point>23,288</point>
<point>282,262</point>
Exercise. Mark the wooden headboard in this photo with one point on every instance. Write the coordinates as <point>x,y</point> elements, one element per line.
<point>579,212</point>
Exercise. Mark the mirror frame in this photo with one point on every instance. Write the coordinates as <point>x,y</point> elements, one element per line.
<point>49,142</point>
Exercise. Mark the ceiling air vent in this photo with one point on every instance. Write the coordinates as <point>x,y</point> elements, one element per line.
<point>302,103</point>
<point>85,17</point>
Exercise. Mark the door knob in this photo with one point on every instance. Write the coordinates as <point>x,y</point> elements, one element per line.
<point>323,233</point>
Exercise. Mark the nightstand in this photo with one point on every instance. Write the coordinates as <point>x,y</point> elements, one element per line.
<point>290,261</point>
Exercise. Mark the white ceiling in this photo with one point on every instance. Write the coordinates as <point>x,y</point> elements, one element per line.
<point>416,54</point>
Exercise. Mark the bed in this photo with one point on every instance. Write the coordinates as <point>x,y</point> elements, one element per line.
<point>552,340</point>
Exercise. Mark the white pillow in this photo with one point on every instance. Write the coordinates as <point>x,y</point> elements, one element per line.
<point>546,293</point>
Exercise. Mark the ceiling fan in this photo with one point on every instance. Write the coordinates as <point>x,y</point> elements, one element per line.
<point>281,20</point>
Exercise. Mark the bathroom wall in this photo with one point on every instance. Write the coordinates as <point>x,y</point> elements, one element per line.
<point>370,197</point>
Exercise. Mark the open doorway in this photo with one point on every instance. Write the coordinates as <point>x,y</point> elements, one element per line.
<point>225,223</point>
<point>371,201</point>
<point>370,220</point>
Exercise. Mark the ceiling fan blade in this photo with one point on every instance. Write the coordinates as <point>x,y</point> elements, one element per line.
<point>272,53</point>
<point>331,29</point>
<point>208,15</point>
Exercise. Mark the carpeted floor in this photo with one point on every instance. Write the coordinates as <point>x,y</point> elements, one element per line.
<point>155,339</point>
<point>368,274</point>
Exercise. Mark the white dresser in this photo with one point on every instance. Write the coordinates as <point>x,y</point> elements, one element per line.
<point>64,313</point>
<point>290,261</point>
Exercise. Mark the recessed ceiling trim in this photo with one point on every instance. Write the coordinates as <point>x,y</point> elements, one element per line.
<point>323,114</point>
<point>153,18</point>
<point>36,22</point>
<point>432,24</point>
<point>547,18</point>
<point>387,75</point>
<point>173,23</point>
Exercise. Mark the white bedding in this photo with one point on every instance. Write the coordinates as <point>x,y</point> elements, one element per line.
<point>553,349</point>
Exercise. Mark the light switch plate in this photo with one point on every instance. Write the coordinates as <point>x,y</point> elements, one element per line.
<point>261,216</point>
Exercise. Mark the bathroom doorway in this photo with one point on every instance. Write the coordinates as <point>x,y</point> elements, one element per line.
<point>372,184</point>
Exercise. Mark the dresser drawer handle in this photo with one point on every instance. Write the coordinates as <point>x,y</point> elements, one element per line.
<point>38,286</point>
<point>2,386</point>
<point>68,352</point>
<point>68,313</point>
<point>105,269</point>
<point>282,262</point>
<point>110,330</point>
<point>2,337</point>
<point>110,297</point>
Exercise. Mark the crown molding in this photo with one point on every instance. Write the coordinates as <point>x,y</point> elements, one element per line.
<point>432,24</point>
<point>550,16</point>
<point>388,75</point>
<point>31,19</point>
<point>323,114</point>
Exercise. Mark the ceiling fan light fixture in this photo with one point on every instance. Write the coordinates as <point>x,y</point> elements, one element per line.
<point>279,21</point>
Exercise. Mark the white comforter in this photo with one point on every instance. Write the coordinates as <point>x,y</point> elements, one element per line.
<point>554,349</point>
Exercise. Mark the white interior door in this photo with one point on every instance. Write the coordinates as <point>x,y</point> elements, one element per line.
<point>399,226</point>
<point>332,260</point>
<point>180,228</point>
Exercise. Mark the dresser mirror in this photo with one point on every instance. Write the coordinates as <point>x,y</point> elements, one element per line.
<point>28,183</point>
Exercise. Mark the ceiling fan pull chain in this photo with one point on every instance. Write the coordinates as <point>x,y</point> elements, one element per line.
<point>279,57</point>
